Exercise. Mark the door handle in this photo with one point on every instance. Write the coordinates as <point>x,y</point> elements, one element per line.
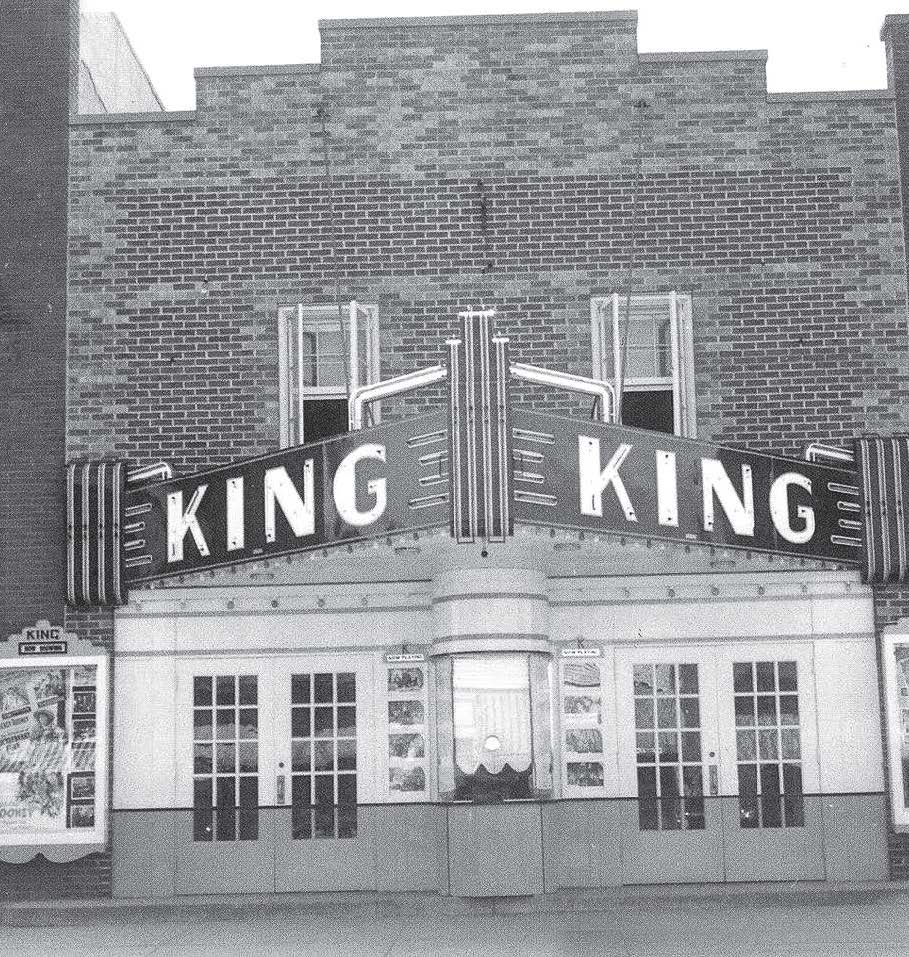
<point>714,781</point>
<point>279,789</point>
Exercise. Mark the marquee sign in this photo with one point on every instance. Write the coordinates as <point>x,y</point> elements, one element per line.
<point>611,478</point>
<point>376,482</point>
<point>477,469</point>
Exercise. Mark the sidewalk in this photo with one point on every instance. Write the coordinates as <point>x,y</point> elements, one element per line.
<point>761,919</point>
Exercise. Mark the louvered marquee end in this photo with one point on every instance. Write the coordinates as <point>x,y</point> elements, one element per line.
<point>94,497</point>
<point>883,477</point>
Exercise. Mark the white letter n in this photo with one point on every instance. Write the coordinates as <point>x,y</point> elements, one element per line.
<point>739,511</point>
<point>299,512</point>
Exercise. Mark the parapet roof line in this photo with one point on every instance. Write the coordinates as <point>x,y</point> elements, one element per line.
<point>506,19</point>
<point>267,69</point>
<point>702,55</point>
<point>109,119</point>
<point>800,96</point>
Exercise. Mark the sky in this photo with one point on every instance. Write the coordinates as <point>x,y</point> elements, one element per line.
<point>812,45</point>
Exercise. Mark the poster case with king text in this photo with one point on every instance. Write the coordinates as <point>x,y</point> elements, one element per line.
<point>53,753</point>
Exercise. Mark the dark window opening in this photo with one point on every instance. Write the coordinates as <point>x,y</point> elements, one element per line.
<point>324,418</point>
<point>649,409</point>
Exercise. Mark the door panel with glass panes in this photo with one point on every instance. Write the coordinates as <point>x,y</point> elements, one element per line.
<point>773,827</point>
<point>668,742</point>
<point>225,775</point>
<point>324,765</point>
<point>271,763</point>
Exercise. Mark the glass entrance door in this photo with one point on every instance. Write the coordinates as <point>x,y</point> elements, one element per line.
<point>718,745</point>
<point>669,746</point>
<point>225,775</point>
<point>324,765</point>
<point>773,828</point>
<point>272,759</point>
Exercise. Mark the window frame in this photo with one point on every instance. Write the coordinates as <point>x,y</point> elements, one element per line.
<point>324,317</point>
<point>605,312</point>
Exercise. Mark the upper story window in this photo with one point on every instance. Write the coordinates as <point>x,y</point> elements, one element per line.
<point>658,390</point>
<point>323,354</point>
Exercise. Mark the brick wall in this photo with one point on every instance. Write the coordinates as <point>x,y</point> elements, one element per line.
<point>38,45</point>
<point>36,62</point>
<point>780,216</point>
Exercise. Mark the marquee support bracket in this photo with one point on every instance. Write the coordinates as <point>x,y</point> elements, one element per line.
<point>398,385</point>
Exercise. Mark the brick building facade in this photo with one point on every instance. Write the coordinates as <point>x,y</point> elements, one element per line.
<point>769,209</point>
<point>37,76</point>
<point>543,167</point>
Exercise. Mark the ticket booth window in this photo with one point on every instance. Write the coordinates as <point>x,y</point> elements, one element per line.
<point>500,728</point>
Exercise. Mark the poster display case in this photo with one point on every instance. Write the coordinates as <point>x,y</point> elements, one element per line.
<point>584,699</point>
<point>408,717</point>
<point>53,751</point>
<point>895,652</point>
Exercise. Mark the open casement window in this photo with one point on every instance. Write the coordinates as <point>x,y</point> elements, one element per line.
<point>658,376</point>
<point>322,356</point>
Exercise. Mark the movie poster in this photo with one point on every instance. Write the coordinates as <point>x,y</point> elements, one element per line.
<point>901,653</point>
<point>47,749</point>
<point>406,731</point>
<point>582,723</point>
